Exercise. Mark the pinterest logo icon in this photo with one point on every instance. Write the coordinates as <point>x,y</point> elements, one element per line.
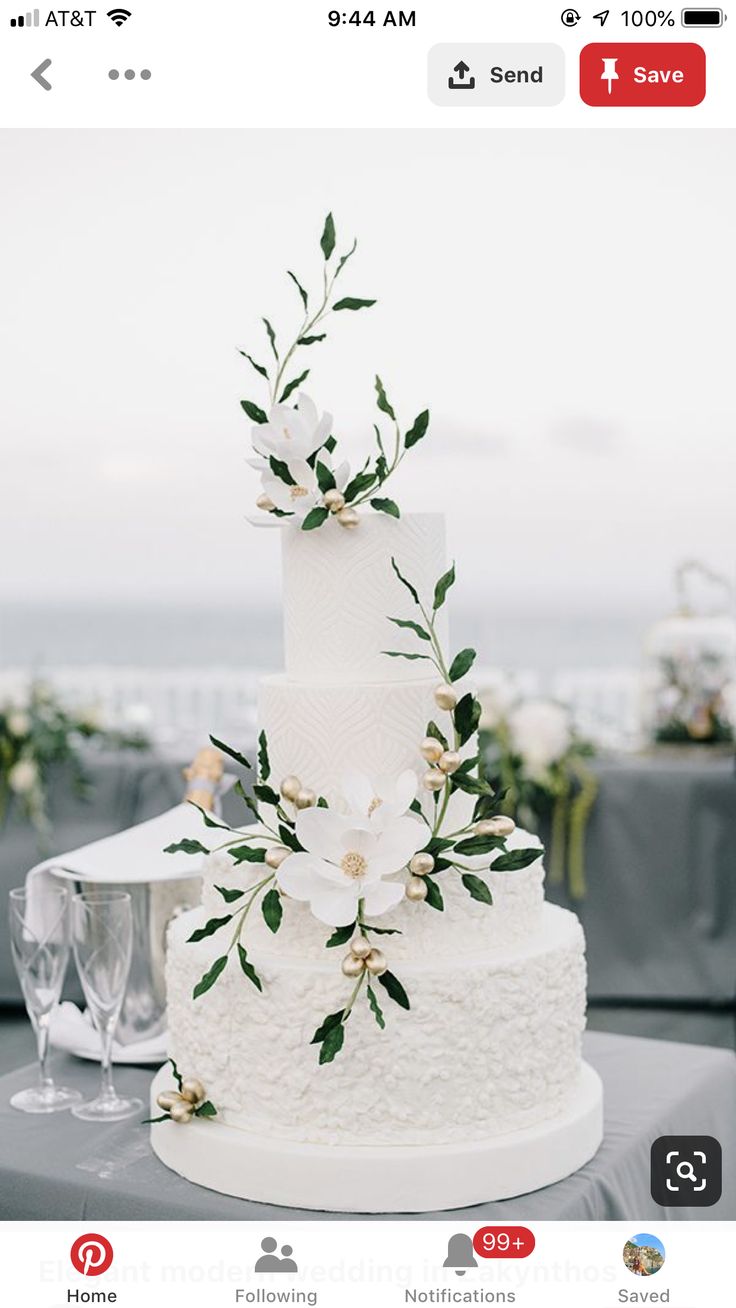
<point>91,1254</point>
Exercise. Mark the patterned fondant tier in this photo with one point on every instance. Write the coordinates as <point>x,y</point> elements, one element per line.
<point>340,590</point>
<point>322,732</point>
<point>465,924</point>
<point>491,1044</point>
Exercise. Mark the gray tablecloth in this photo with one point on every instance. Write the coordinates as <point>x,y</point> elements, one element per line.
<point>660,908</point>
<point>62,1169</point>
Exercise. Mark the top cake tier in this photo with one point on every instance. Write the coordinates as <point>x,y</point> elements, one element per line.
<point>340,590</point>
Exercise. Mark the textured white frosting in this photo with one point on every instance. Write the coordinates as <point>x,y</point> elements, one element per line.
<point>340,590</point>
<point>491,1044</point>
<point>463,925</point>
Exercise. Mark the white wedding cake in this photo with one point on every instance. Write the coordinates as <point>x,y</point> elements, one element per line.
<point>476,1092</point>
<point>373,1010</point>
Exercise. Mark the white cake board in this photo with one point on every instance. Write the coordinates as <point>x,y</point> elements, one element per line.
<point>382,1178</point>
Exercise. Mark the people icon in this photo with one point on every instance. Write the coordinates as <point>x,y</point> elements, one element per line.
<point>269,1260</point>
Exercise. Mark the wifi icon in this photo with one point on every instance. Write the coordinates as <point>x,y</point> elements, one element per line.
<point>119,16</point>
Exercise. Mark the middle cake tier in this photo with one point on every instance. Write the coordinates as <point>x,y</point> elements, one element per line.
<point>322,732</point>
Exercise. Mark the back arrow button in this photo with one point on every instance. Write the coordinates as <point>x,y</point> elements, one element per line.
<point>38,74</point>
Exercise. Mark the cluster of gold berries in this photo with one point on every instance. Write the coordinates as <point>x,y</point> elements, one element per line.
<point>420,867</point>
<point>363,957</point>
<point>300,796</point>
<point>334,501</point>
<point>495,826</point>
<point>443,763</point>
<point>180,1104</point>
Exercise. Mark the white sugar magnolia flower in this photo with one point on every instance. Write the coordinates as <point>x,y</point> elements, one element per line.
<point>541,732</point>
<point>23,777</point>
<point>304,494</point>
<point>345,862</point>
<point>381,800</point>
<point>292,433</point>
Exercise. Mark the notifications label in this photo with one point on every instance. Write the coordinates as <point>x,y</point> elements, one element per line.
<point>642,75</point>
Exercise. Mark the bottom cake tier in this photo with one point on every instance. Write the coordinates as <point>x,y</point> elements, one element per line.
<point>491,1044</point>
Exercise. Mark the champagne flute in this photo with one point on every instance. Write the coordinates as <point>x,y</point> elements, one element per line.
<point>39,943</point>
<point>102,934</point>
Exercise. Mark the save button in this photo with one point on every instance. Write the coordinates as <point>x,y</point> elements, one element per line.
<point>648,75</point>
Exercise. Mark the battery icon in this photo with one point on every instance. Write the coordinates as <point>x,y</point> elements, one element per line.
<point>702,18</point>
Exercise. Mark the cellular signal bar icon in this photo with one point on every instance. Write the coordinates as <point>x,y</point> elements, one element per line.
<point>26,20</point>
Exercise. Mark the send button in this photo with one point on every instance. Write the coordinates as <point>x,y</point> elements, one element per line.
<point>483,76</point>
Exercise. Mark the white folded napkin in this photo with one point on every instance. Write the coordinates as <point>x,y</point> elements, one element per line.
<point>72,1030</point>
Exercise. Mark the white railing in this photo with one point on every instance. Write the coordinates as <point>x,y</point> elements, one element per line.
<point>181,706</point>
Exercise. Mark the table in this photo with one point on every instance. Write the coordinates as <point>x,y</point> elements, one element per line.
<point>61,1169</point>
<point>660,908</point>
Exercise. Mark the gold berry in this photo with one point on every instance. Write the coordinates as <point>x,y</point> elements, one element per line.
<point>495,826</point>
<point>376,963</point>
<point>421,865</point>
<point>347,518</point>
<point>360,947</point>
<point>266,503</point>
<point>276,855</point>
<point>434,779</point>
<point>192,1090</point>
<point>416,889</point>
<point>181,1112</point>
<point>334,500</point>
<point>352,966</point>
<point>450,761</point>
<point>306,799</point>
<point>445,697</point>
<point>168,1098</point>
<point>431,750</point>
<point>290,787</point>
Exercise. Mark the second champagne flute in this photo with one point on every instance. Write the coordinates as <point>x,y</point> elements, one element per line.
<point>102,936</point>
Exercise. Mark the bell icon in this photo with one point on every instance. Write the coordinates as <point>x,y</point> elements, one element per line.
<point>460,1254</point>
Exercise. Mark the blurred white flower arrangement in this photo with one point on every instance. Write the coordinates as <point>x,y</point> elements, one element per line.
<point>37,733</point>
<point>534,756</point>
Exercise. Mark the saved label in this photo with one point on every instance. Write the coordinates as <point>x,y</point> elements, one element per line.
<point>640,75</point>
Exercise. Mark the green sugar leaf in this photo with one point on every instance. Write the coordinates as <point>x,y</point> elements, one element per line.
<point>311,340</point>
<point>327,239</point>
<point>516,859</point>
<point>376,1008</point>
<point>266,795</point>
<point>411,589</point>
<point>417,430</point>
<point>332,1044</point>
<point>340,936</point>
<point>477,889</point>
<point>315,518</point>
<point>461,664</point>
<point>247,853</point>
<point>231,753</point>
<point>293,386</point>
<point>325,477</point>
<point>345,258</point>
<point>272,337</point>
<point>301,290</point>
<point>209,928</point>
<point>466,717</point>
<point>209,978</point>
<point>332,1020</point>
<point>253,411</point>
<point>272,909</point>
<point>394,989</point>
<point>382,400</point>
<point>479,845</point>
<point>207,1109</point>
<point>187,846</point>
<point>229,894</point>
<point>350,302</point>
<point>281,470</point>
<point>264,765</point>
<point>386,506</point>
<point>258,366</point>
<point>411,626</point>
<point>248,968</point>
<point>434,894</point>
<point>442,587</point>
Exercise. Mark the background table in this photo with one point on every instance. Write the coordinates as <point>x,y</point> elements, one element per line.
<point>59,1168</point>
<point>660,908</point>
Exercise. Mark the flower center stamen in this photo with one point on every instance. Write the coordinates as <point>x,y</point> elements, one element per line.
<point>374,804</point>
<point>353,864</point>
<point>296,492</point>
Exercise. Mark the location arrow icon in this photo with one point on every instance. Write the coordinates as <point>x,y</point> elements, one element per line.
<point>38,74</point>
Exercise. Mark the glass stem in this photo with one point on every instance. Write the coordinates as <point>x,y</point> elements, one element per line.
<point>42,1044</point>
<point>107,1030</point>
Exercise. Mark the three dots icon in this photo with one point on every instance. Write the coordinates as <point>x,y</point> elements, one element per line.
<point>129,74</point>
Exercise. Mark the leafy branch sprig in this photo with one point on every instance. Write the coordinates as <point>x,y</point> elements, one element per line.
<point>273,845</point>
<point>366,963</point>
<point>448,773</point>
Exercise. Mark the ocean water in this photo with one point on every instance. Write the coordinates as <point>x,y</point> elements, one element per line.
<point>46,636</point>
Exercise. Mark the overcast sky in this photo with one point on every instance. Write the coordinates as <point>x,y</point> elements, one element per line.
<point>562,302</point>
